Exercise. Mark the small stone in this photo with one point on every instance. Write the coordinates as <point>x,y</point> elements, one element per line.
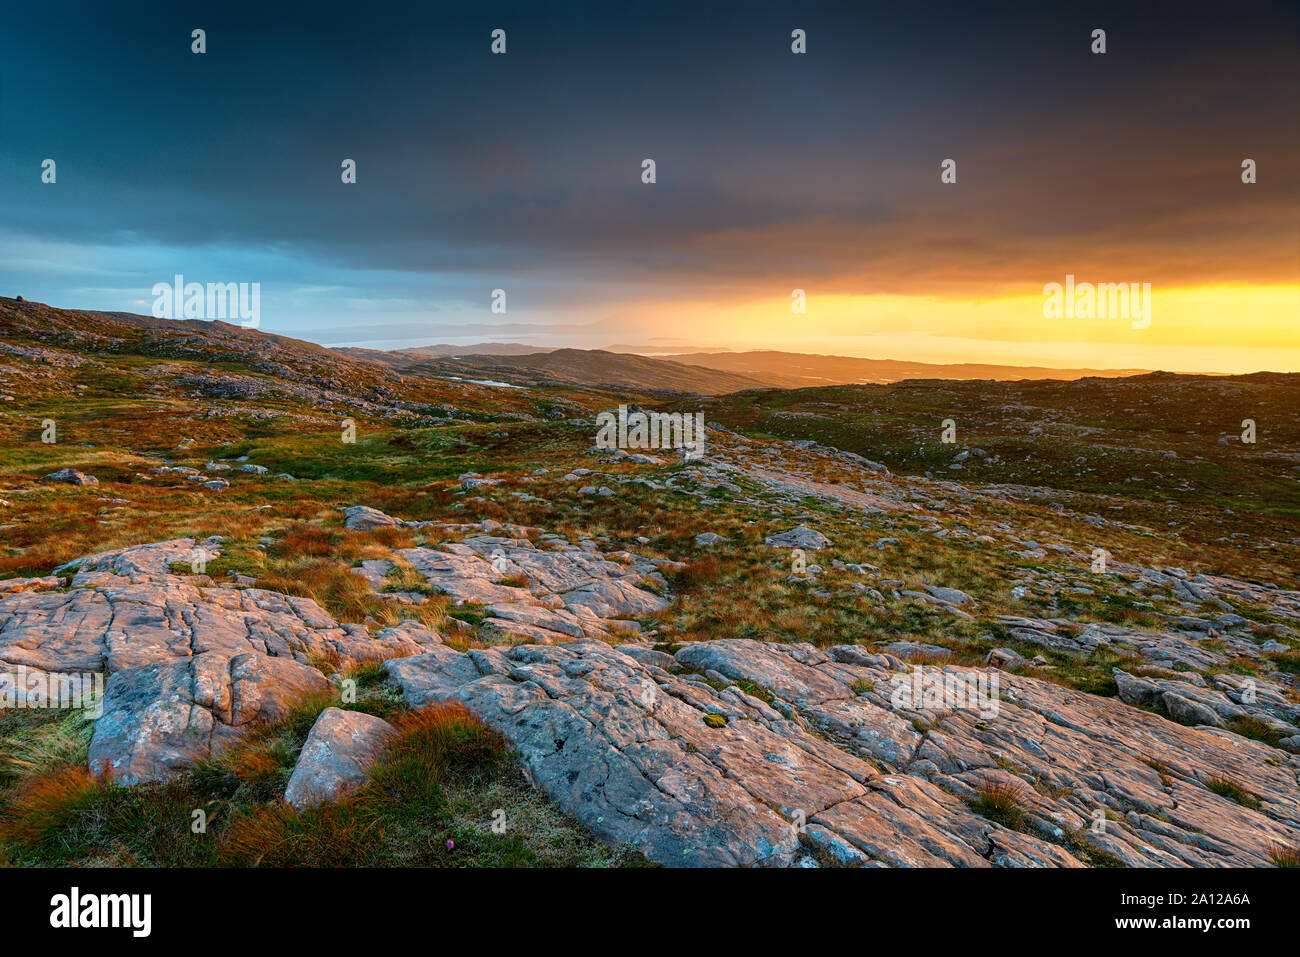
<point>1004,658</point>
<point>71,477</point>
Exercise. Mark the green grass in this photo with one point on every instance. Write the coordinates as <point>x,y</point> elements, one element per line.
<point>33,740</point>
<point>447,793</point>
<point>1249,727</point>
<point>733,590</point>
<point>1226,787</point>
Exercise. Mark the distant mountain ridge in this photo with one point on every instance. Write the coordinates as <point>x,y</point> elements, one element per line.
<point>795,370</point>
<point>704,373</point>
<point>594,367</point>
<point>718,372</point>
<point>414,354</point>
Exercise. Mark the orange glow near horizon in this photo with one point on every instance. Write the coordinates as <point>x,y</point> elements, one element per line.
<point>1222,328</point>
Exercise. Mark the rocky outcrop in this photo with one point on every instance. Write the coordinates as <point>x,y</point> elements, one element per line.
<point>1190,700</point>
<point>163,717</point>
<point>729,752</point>
<point>125,609</point>
<point>190,667</point>
<point>541,594</point>
<point>801,536</point>
<point>1197,650</point>
<point>829,759</point>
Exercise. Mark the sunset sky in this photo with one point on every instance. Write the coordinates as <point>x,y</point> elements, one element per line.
<point>775,171</point>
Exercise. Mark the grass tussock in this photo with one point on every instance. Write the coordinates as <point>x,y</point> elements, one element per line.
<point>40,806</point>
<point>432,801</point>
<point>1251,727</point>
<point>1003,801</point>
<point>447,793</point>
<point>1233,791</point>
<point>33,741</point>
<point>1284,855</point>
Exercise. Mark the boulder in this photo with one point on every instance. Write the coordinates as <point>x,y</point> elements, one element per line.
<point>364,518</point>
<point>1004,657</point>
<point>340,748</point>
<point>952,596</point>
<point>1186,711</point>
<point>801,536</point>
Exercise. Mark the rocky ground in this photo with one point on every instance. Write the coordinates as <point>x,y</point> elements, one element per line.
<point>786,653</point>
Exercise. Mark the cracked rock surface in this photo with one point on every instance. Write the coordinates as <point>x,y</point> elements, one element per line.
<point>729,752</point>
<point>125,609</point>
<point>694,775</point>
<point>554,593</point>
<point>163,717</point>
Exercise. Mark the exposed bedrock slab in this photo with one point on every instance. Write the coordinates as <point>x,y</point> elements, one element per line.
<point>148,562</point>
<point>340,748</point>
<point>1192,701</point>
<point>1170,649</point>
<point>12,586</point>
<point>569,592</point>
<point>627,759</point>
<point>128,611</point>
<point>625,747</point>
<point>614,598</point>
<point>163,717</point>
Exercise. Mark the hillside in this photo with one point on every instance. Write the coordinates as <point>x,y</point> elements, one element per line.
<point>362,616</point>
<point>718,372</point>
<point>792,370</point>
<point>403,358</point>
<point>595,367</point>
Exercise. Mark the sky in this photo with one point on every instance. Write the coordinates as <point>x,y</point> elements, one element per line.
<point>775,171</point>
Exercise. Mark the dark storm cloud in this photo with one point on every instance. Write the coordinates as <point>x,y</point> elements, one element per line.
<point>528,164</point>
